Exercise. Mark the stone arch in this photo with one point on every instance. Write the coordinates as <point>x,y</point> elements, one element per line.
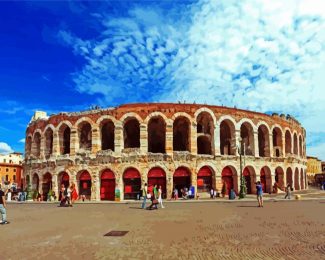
<point>46,185</point>
<point>131,132</point>
<point>227,137</point>
<point>182,114</point>
<point>248,121</point>
<point>157,176</point>
<point>125,117</point>
<point>277,141</point>
<point>107,133</point>
<point>249,174</point>
<point>279,177</point>
<point>181,134</point>
<point>266,179</point>
<point>205,133</point>
<point>107,184</point>
<point>297,179</point>
<point>157,134</point>
<point>295,143</point>
<point>289,177</point>
<point>157,114</point>
<point>36,144</point>
<point>247,136</point>
<point>85,135</point>
<point>83,120</point>
<point>35,182</point>
<point>64,131</point>
<point>206,179</point>
<point>132,183</point>
<point>49,135</point>
<point>263,140</point>
<point>301,152</point>
<point>84,183</point>
<point>229,180</point>
<point>182,179</point>
<point>106,118</point>
<point>28,146</point>
<point>288,142</point>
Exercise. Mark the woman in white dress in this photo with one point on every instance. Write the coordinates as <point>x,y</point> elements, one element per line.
<point>160,197</point>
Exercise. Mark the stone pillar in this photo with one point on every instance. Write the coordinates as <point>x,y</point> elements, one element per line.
<point>256,148</point>
<point>218,183</point>
<point>217,140</point>
<point>283,146</point>
<point>237,136</point>
<point>55,186</point>
<point>74,141</point>
<point>143,138</point>
<point>118,139</point>
<point>271,145</point>
<point>194,180</point>
<point>95,140</point>
<point>169,138</point>
<point>193,138</point>
<point>42,147</point>
<point>169,185</point>
<point>56,144</point>
<point>120,186</point>
<point>95,188</point>
<point>292,144</point>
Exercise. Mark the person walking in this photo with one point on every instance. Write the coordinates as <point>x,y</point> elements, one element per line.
<point>160,197</point>
<point>144,194</point>
<point>288,192</point>
<point>211,193</point>
<point>68,196</point>
<point>155,193</point>
<point>74,193</point>
<point>259,193</point>
<point>3,206</point>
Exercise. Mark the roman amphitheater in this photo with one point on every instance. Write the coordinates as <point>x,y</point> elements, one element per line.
<point>110,153</point>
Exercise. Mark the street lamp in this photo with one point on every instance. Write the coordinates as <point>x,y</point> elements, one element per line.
<point>243,188</point>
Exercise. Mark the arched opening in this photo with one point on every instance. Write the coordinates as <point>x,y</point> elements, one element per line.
<point>28,145</point>
<point>132,133</point>
<point>37,145</point>
<point>85,184</point>
<point>263,141</point>
<point>250,179</point>
<point>295,144</point>
<point>300,147</point>
<point>35,182</point>
<point>297,179</point>
<point>182,179</point>
<point>205,133</point>
<point>289,177</point>
<point>64,179</point>
<point>85,137</point>
<point>288,142</point>
<point>107,135</point>
<point>46,185</point>
<point>181,134</point>
<point>279,178</point>
<point>277,142</point>
<point>64,139</point>
<point>48,142</point>
<point>266,179</point>
<point>228,176</point>
<point>302,183</point>
<point>156,135</point>
<point>227,138</point>
<point>157,176</point>
<point>132,183</point>
<point>107,185</point>
<point>204,179</point>
<point>247,135</point>
<point>204,144</point>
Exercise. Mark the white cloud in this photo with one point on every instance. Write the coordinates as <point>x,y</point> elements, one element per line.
<point>5,148</point>
<point>22,140</point>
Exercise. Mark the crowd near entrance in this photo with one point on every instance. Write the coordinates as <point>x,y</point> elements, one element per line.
<point>182,179</point>
<point>204,179</point>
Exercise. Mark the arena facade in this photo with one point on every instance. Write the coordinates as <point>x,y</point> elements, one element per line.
<point>116,150</point>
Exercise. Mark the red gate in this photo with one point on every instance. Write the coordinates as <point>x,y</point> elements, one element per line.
<point>182,179</point>
<point>227,179</point>
<point>204,179</point>
<point>132,183</point>
<point>157,176</point>
<point>247,177</point>
<point>107,185</point>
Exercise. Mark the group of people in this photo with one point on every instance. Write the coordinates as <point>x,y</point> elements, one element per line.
<point>68,195</point>
<point>154,194</point>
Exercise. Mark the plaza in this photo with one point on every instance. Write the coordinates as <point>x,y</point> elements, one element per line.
<point>217,229</point>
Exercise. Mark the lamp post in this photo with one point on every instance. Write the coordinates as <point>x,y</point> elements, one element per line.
<point>243,189</point>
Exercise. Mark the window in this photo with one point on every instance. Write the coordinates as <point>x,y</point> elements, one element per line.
<point>14,177</point>
<point>4,160</point>
<point>10,161</point>
<point>7,170</point>
<point>14,170</point>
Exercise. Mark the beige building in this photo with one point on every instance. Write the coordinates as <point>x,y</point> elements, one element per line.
<point>314,166</point>
<point>11,169</point>
<point>110,153</point>
<point>323,167</point>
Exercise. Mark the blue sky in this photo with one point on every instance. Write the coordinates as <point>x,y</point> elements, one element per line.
<point>257,55</point>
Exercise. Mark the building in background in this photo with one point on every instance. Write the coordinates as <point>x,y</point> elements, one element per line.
<point>323,167</point>
<point>314,166</point>
<point>11,169</point>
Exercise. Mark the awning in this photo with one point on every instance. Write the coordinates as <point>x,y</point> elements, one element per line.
<point>131,174</point>
<point>108,175</point>
<point>204,172</point>
<point>182,172</point>
<point>156,173</point>
<point>85,176</point>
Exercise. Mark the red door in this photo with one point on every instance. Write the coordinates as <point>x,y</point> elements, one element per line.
<point>132,183</point>
<point>204,179</point>
<point>227,179</point>
<point>107,189</point>
<point>182,179</point>
<point>157,176</point>
<point>263,180</point>
<point>247,177</point>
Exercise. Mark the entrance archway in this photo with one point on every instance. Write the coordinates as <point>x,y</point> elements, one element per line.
<point>64,179</point>
<point>289,177</point>
<point>227,176</point>
<point>279,178</point>
<point>302,186</point>
<point>35,182</point>
<point>46,185</point>
<point>132,183</point>
<point>182,179</point>
<point>107,185</point>
<point>297,179</point>
<point>266,181</point>
<point>157,176</point>
<point>204,179</point>
<point>85,184</point>
<point>249,175</point>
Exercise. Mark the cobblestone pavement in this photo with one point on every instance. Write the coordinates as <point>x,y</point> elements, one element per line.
<point>280,230</point>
